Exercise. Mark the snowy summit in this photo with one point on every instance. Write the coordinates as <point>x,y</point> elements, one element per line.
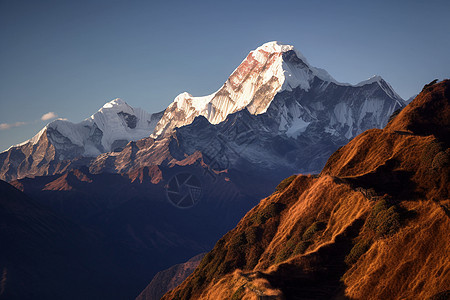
<point>267,71</point>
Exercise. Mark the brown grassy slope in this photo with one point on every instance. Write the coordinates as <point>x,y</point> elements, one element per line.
<point>373,225</point>
<point>428,114</point>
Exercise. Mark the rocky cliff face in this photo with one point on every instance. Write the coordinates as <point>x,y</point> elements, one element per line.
<point>373,225</point>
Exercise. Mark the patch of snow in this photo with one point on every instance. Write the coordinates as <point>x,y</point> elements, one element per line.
<point>317,106</point>
<point>298,126</point>
<point>343,114</point>
<point>374,78</point>
<point>109,121</point>
<point>186,101</point>
<point>74,132</point>
<point>274,47</point>
<point>331,131</point>
<point>91,151</point>
<point>374,106</point>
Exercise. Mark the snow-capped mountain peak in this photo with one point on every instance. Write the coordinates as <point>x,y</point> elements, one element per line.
<point>267,71</point>
<point>274,46</point>
<point>370,80</point>
<point>109,129</point>
<point>115,103</point>
<point>384,85</point>
<point>277,47</point>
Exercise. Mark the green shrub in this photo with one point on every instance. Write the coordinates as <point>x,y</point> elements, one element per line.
<point>296,245</point>
<point>238,240</point>
<point>282,255</point>
<point>285,183</point>
<point>430,152</point>
<point>270,211</point>
<point>358,249</point>
<point>313,229</point>
<point>301,247</point>
<point>260,218</point>
<point>379,206</point>
<point>239,293</point>
<point>274,209</point>
<point>291,243</point>
<point>286,251</point>
<point>440,160</point>
<point>388,221</point>
<point>251,234</point>
<point>384,218</point>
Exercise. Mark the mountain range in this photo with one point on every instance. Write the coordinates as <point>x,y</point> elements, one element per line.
<point>167,186</point>
<point>274,95</point>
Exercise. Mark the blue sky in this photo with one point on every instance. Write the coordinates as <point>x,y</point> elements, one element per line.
<point>70,57</point>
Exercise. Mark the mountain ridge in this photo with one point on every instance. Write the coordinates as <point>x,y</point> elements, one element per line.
<point>273,82</point>
<point>373,225</point>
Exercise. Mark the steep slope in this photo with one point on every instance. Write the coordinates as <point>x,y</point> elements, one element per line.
<point>61,143</point>
<point>373,225</point>
<point>170,278</point>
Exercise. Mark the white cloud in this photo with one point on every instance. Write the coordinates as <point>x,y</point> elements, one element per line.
<point>5,126</point>
<point>45,117</point>
<point>48,116</point>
